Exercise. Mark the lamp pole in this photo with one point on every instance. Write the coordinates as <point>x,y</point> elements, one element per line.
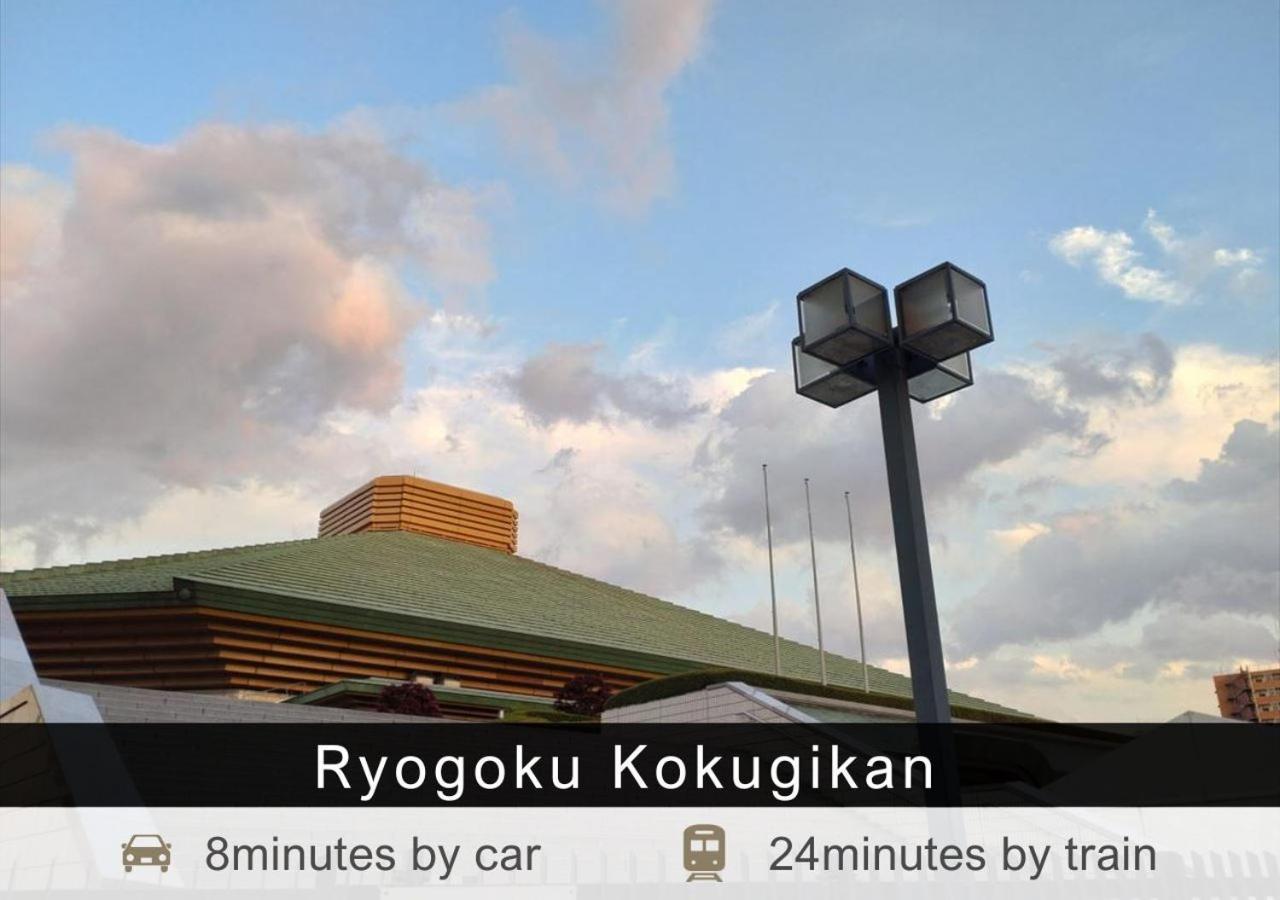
<point>911,538</point>
<point>848,348</point>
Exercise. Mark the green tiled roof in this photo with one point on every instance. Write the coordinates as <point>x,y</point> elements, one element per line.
<point>129,576</point>
<point>431,587</point>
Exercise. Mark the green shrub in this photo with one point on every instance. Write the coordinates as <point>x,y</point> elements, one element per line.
<point>408,699</point>
<point>584,695</point>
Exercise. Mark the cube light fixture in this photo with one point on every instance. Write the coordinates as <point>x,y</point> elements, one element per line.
<point>937,379</point>
<point>828,384</point>
<point>943,313</point>
<point>844,318</point>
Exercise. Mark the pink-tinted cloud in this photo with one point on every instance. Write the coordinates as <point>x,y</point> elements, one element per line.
<point>599,119</point>
<point>185,314</point>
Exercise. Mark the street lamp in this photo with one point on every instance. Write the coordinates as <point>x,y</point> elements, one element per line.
<point>846,349</point>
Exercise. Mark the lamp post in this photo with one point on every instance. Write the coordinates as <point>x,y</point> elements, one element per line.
<point>848,348</point>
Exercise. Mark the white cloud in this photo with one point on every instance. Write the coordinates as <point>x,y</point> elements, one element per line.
<point>841,449</point>
<point>599,118</point>
<point>191,314</point>
<point>33,205</point>
<point>1116,261</point>
<point>618,499</point>
<point>1166,530</point>
<point>1019,534</point>
<point>1189,265</point>
<point>1241,257</point>
<point>1201,546</point>
<point>203,345</point>
<point>565,383</point>
<point>187,518</point>
<point>1168,432</point>
<point>1140,678</point>
<point>746,336</point>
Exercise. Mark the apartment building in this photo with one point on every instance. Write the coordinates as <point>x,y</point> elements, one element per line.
<point>1250,696</point>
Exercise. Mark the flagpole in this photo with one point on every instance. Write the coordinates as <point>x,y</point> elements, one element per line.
<point>773,590</point>
<point>857,597</point>
<point>817,605</point>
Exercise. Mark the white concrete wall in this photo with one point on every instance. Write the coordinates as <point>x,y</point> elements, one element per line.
<point>716,703</point>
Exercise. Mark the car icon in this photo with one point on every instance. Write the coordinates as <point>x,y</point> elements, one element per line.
<point>145,850</point>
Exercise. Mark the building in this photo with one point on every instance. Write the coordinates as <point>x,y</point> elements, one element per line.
<point>1250,696</point>
<point>410,579</point>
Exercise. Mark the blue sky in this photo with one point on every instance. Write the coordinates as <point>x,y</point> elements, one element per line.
<point>607,211</point>
<point>881,136</point>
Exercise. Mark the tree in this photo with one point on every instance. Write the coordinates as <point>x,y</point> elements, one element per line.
<point>409,699</point>
<point>584,695</point>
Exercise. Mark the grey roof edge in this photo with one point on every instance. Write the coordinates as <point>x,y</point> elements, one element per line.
<point>756,695</point>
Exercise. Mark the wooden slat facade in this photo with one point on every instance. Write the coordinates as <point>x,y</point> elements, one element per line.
<point>408,503</point>
<point>200,648</point>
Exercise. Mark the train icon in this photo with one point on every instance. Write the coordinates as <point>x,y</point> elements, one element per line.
<point>704,852</point>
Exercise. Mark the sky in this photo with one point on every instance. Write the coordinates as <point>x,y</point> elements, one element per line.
<point>253,254</point>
